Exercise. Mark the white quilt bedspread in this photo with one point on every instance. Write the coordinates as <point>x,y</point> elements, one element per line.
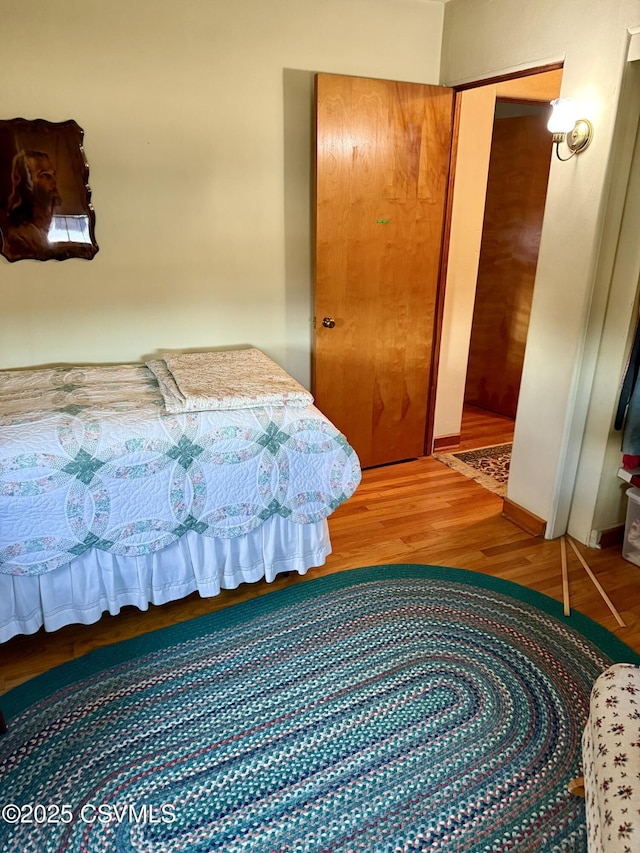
<point>89,458</point>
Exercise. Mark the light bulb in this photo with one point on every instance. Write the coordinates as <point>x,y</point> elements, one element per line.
<point>563,116</point>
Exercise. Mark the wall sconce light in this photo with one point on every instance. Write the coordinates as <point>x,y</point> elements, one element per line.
<point>566,127</point>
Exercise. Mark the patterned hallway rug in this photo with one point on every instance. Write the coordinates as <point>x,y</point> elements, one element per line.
<point>488,466</point>
<point>391,708</point>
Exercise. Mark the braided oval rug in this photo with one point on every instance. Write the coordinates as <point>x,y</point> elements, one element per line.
<point>393,708</point>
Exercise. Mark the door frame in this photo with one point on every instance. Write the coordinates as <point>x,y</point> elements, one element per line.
<point>442,279</point>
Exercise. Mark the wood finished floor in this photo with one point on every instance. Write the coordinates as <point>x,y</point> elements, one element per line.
<point>415,512</point>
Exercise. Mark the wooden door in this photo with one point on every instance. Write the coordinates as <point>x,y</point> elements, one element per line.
<point>382,163</point>
<point>516,193</point>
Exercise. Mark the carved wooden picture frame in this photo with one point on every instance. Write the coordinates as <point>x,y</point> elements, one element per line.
<point>45,199</point>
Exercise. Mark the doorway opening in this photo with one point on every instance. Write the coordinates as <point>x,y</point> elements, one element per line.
<point>517,180</point>
<point>501,175</point>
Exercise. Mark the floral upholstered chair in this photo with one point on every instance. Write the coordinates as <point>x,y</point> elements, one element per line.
<point>611,761</point>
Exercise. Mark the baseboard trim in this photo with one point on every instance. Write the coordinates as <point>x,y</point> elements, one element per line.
<point>446,442</point>
<point>522,518</point>
<point>612,537</point>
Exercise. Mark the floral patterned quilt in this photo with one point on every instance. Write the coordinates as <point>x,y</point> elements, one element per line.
<point>90,458</point>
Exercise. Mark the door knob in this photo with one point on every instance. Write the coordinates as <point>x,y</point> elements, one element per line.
<point>328,322</point>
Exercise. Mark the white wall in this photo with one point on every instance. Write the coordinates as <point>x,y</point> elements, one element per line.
<point>198,132</point>
<point>619,262</point>
<point>483,38</point>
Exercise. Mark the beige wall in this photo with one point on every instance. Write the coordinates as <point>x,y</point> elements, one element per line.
<point>197,119</point>
<point>552,442</point>
<point>619,263</point>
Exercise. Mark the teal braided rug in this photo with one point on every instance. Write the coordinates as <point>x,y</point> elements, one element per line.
<point>385,709</point>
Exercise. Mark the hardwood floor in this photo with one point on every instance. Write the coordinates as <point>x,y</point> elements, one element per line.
<point>481,428</point>
<point>414,512</point>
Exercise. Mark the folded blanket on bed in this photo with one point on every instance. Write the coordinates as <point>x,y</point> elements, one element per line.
<point>230,379</point>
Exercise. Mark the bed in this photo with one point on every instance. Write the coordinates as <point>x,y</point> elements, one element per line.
<point>142,483</point>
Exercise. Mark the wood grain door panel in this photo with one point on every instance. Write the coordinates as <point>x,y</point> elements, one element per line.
<point>382,161</point>
<point>516,194</point>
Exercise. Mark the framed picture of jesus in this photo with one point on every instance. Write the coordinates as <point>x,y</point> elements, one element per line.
<point>45,200</point>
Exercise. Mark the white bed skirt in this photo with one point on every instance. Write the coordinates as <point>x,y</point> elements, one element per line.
<point>98,581</point>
